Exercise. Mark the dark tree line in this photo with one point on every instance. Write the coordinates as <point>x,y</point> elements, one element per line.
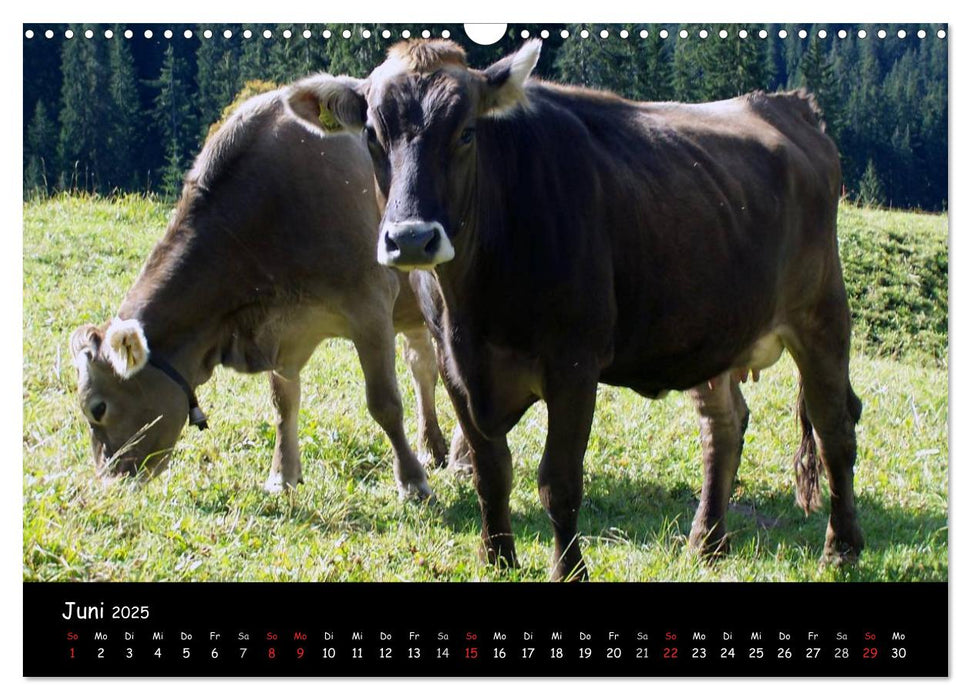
<point>128,114</point>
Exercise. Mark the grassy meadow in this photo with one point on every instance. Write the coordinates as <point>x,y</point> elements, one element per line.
<point>207,517</point>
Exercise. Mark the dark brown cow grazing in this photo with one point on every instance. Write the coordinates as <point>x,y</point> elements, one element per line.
<point>270,251</point>
<point>567,237</point>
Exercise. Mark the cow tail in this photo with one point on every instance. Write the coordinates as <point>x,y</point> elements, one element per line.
<point>807,463</point>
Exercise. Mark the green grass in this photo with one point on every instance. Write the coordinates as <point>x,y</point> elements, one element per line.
<point>207,518</point>
<point>895,266</point>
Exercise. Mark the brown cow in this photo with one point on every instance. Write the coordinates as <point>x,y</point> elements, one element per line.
<point>268,253</point>
<point>566,237</point>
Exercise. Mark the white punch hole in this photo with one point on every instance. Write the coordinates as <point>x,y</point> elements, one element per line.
<point>485,34</point>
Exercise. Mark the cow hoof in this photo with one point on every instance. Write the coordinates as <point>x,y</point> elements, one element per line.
<point>838,559</point>
<point>839,554</point>
<point>573,575</point>
<point>429,460</point>
<point>840,551</point>
<point>708,545</point>
<point>276,483</point>
<point>460,468</point>
<point>419,491</point>
<point>439,455</point>
<point>502,557</point>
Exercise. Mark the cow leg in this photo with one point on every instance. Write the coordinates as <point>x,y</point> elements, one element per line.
<point>286,471</point>
<point>460,454</point>
<point>492,477</point>
<point>420,355</point>
<point>821,351</point>
<point>723,418</point>
<point>375,349</point>
<point>491,467</point>
<point>570,401</point>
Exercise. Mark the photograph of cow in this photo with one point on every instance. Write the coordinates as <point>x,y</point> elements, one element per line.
<point>657,247</point>
<point>533,239</point>
<point>297,268</point>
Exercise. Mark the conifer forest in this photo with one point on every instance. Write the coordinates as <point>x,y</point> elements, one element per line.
<point>113,110</point>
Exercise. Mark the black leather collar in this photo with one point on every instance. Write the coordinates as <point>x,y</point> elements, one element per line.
<point>196,416</point>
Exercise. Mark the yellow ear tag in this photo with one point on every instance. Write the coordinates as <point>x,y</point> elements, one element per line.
<point>327,120</point>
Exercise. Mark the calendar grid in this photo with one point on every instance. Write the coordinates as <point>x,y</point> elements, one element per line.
<point>662,629</point>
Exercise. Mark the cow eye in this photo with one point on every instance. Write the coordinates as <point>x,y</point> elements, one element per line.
<point>98,410</point>
<point>373,145</point>
<point>467,135</point>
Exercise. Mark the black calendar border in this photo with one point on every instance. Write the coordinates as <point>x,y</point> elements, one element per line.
<point>919,611</point>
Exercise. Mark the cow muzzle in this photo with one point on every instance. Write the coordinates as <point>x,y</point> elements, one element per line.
<point>413,245</point>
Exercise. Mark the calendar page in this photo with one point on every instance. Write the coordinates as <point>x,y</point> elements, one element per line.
<point>556,350</point>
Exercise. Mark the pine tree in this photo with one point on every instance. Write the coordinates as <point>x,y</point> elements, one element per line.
<point>844,57</point>
<point>172,173</point>
<point>356,56</point>
<point>816,74</point>
<point>83,110</point>
<point>217,77</point>
<point>286,63</point>
<point>174,116</point>
<point>124,116</point>
<point>42,77</point>
<point>775,65</point>
<point>40,152</point>
<point>687,72</point>
<point>901,90</point>
<point>585,61</point>
<point>254,59</point>
<point>312,53</point>
<point>654,76</point>
<point>860,137</point>
<point>870,189</point>
<point>731,66</point>
<point>751,66</point>
<point>633,67</point>
<point>792,50</point>
<point>933,120</point>
<point>902,188</point>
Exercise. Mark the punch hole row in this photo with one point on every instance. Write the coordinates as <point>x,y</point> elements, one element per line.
<point>445,34</point>
<point>246,34</point>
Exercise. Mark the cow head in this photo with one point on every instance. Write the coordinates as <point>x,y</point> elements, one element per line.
<point>135,413</point>
<point>418,112</point>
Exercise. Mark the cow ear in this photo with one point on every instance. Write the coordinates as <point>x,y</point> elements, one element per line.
<point>85,343</point>
<point>125,347</point>
<point>328,104</point>
<point>504,79</point>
